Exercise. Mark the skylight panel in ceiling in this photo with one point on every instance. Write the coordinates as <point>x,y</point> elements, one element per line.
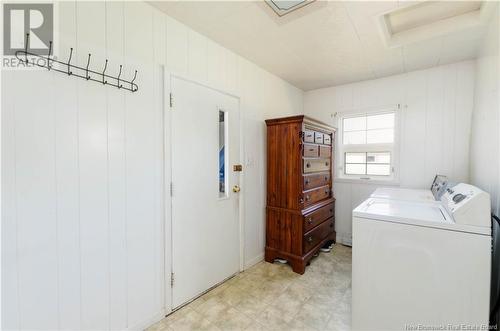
<point>283,7</point>
<point>430,19</point>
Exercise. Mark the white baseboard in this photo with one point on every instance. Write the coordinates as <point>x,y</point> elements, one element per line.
<point>253,261</point>
<point>143,325</point>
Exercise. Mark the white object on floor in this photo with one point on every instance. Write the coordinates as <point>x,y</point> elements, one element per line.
<point>415,263</point>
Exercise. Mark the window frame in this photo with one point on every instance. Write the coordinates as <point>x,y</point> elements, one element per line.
<point>392,148</point>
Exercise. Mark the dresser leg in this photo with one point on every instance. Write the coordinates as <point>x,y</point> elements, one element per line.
<point>298,266</point>
<point>269,255</point>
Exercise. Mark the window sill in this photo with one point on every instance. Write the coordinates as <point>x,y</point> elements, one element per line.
<point>388,182</point>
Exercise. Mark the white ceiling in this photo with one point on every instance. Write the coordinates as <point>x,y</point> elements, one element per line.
<point>323,44</point>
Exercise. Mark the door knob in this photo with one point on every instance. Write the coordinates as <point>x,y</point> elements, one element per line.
<point>236,189</point>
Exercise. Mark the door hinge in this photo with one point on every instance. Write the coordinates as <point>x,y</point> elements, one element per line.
<point>171,189</point>
<point>171,100</point>
<point>172,279</point>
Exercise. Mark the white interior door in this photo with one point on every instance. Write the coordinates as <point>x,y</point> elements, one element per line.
<point>205,222</point>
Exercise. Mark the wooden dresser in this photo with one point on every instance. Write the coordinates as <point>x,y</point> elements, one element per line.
<point>300,213</point>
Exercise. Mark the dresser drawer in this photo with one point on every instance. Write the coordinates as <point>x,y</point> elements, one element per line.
<point>318,216</point>
<point>308,136</point>
<point>325,151</point>
<point>310,150</point>
<point>313,237</point>
<point>316,180</point>
<point>318,137</point>
<point>327,139</point>
<point>315,165</point>
<point>315,195</point>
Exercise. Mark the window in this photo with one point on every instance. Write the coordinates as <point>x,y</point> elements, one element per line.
<point>366,147</point>
<point>222,154</point>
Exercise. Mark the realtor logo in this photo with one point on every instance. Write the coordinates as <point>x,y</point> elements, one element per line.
<point>37,19</point>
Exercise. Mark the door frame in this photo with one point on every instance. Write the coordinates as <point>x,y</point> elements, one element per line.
<point>167,177</point>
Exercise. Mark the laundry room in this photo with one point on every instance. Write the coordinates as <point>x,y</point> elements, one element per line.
<point>250,165</point>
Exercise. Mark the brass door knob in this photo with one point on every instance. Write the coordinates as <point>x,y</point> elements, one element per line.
<point>236,189</point>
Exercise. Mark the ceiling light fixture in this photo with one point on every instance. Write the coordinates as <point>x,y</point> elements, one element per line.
<point>283,7</point>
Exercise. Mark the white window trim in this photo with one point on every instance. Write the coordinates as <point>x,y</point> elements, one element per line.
<point>393,148</point>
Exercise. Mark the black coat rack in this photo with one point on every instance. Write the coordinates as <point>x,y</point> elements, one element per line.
<point>74,70</point>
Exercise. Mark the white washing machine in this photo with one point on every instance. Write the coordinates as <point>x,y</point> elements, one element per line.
<point>433,194</point>
<point>421,264</point>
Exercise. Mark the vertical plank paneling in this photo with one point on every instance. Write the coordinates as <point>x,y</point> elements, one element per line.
<point>116,173</point>
<point>215,65</point>
<point>159,47</point>
<point>10,264</point>
<point>67,175</point>
<point>177,46</point>
<point>93,149</point>
<point>197,60</point>
<point>342,209</point>
<point>413,138</point>
<point>230,71</point>
<point>141,151</point>
<point>464,106</point>
<point>433,124</point>
<point>36,202</point>
<point>449,117</point>
<point>160,42</point>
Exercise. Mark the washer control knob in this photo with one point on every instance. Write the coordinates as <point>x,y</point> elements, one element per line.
<point>458,197</point>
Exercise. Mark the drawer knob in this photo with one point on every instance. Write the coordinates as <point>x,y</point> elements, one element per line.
<point>331,210</point>
<point>308,165</point>
<point>326,179</point>
<point>326,163</point>
<point>307,181</point>
<point>301,200</point>
<point>310,239</point>
<point>331,225</point>
<point>307,198</point>
<point>310,220</point>
<point>326,192</point>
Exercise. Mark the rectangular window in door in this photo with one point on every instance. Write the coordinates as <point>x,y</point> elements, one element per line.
<point>223,180</point>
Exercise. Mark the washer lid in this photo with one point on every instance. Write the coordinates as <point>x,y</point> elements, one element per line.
<point>412,213</point>
<point>404,194</point>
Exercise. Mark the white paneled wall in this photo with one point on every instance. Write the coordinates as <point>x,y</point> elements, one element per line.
<point>485,137</point>
<point>82,169</point>
<point>436,113</point>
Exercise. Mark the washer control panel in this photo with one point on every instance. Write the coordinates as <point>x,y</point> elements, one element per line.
<point>467,204</point>
<point>439,186</point>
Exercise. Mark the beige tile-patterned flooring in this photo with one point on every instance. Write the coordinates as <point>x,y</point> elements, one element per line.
<point>272,297</point>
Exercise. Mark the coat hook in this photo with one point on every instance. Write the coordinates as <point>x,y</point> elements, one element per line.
<point>26,47</point>
<point>103,76</point>
<point>132,82</point>
<point>69,60</point>
<point>87,69</point>
<point>119,74</point>
<point>48,56</point>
